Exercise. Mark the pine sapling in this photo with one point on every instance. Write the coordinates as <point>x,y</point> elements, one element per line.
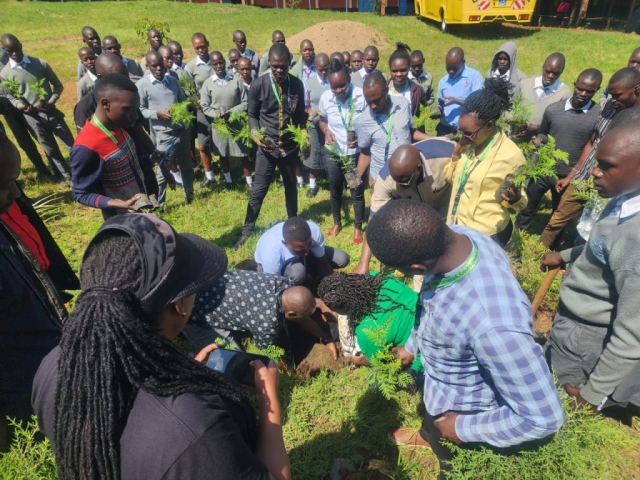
<point>516,119</point>
<point>425,121</point>
<point>300,136</point>
<point>342,158</point>
<point>585,192</point>
<point>188,85</point>
<point>386,370</point>
<point>239,124</point>
<point>182,114</point>
<point>540,162</point>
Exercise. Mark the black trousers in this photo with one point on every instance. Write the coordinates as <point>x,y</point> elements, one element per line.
<point>265,167</point>
<point>336,189</point>
<point>430,433</point>
<point>503,237</point>
<point>535,192</point>
<point>23,134</point>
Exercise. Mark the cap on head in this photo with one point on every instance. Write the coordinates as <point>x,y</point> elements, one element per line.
<point>174,265</point>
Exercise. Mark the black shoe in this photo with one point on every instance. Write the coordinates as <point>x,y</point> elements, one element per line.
<point>228,186</point>
<point>188,198</point>
<point>208,183</point>
<point>313,191</point>
<point>301,185</point>
<point>241,241</point>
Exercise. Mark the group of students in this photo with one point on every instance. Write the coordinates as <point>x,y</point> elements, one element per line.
<point>438,213</point>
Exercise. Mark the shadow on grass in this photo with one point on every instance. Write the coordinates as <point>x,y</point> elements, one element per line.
<point>362,440</point>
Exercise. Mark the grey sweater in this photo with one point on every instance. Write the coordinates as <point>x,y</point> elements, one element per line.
<point>199,73</point>
<point>156,96</point>
<point>36,69</point>
<point>315,90</point>
<point>215,99</point>
<point>539,105</point>
<point>85,85</point>
<point>571,130</point>
<point>602,287</point>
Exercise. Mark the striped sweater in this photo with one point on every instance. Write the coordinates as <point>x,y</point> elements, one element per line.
<point>102,170</point>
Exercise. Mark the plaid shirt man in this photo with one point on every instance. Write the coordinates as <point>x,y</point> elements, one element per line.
<point>479,356</point>
<point>606,115</point>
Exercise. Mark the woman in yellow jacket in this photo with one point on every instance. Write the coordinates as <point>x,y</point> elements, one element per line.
<point>481,160</point>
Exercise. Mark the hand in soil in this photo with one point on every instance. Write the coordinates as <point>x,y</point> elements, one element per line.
<point>447,426</point>
<point>203,355</point>
<point>334,350</point>
<point>578,401</point>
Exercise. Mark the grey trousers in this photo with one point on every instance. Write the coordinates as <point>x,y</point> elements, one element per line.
<point>22,132</point>
<point>181,155</point>
<point>573,350</point>
<point>45,129</point>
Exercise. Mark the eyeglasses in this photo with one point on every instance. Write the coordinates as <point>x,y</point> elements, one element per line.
<point>472,135</point>
<point>408,182</point>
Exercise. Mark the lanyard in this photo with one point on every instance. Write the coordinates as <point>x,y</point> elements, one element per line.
<point>277,94</point>
<point>106,131</point>
<point>345,124</point>
<point>387,133</point>
<point>393,88</point>
<point>464,177</point>
<point>310,71</point>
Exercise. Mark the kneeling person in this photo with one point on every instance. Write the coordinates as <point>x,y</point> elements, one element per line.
<point>284,250</point>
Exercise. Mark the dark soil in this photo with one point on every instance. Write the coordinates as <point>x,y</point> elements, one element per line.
<point>318,358</point>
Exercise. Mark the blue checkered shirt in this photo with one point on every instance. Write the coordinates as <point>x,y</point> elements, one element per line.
<point>478,352</point>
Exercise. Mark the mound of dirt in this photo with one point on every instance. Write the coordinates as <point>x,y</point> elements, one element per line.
<point>329,37</point>
<point>318,358</point>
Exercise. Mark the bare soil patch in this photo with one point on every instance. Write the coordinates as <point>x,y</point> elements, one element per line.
<point>329,37</point>
<point>318,358</point>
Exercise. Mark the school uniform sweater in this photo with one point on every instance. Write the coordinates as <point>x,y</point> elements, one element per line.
<point>28,71</point>
<point>199,71</point>
<point>526,88</point>
<point>315,88</point>
<point>157,95</point>
<point>264,62</point>
<point>102,170</point>
<point>134,68</point>
<point>601,288</point>
<point>85,84</point>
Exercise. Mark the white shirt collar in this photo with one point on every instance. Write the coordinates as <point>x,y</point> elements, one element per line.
<point>423,74</point>
<point>153,79</point>
<point>568,106</point>
<point>92,76</point>
<point>321,81</point>
<point>199,62</point>
<point>14,64</point>
<point>630,206</point>
<point>177,68</point>
<point>543,91</point>
<point>222,81</point>
<point>362,72</point>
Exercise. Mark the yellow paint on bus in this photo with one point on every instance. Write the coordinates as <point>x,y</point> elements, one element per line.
<point>469,12</point>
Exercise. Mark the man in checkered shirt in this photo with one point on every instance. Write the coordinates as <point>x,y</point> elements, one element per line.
<point>486,381</point>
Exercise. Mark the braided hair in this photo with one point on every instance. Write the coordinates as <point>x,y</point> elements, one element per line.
<point>488,103</point>
<point>110,349</point>
<point>359,295</point>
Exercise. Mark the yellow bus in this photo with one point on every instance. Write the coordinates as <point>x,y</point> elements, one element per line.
<point>470,12</point>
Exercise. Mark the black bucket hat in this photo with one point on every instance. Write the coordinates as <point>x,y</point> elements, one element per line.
<point>174,265</point>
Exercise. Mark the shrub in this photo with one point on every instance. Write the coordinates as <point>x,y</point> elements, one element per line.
<point>146,24</point>
<point>587,447</point>
<point>28,457</point>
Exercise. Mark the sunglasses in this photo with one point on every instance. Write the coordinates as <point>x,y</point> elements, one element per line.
<point>471,136</point>
<point>408,182</point>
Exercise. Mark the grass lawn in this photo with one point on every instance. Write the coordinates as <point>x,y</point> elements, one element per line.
<point>333,415</point>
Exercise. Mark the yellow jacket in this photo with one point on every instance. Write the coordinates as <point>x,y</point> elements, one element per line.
<point>478,208</point>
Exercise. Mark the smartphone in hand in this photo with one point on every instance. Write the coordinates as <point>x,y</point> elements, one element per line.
<point>235,364</point>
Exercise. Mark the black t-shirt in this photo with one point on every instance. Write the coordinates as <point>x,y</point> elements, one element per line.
<point>187,436</point>
<point>263,108</point>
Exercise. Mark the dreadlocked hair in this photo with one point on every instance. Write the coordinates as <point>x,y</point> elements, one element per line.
<point>358,295</point>
<point>401,53</point>
<point>110,349</point>
<point>488,103</point>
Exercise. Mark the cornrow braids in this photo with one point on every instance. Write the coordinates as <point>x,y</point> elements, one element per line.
<point>358,295</point>
<point>109,350</point>
<point>488,103</point>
